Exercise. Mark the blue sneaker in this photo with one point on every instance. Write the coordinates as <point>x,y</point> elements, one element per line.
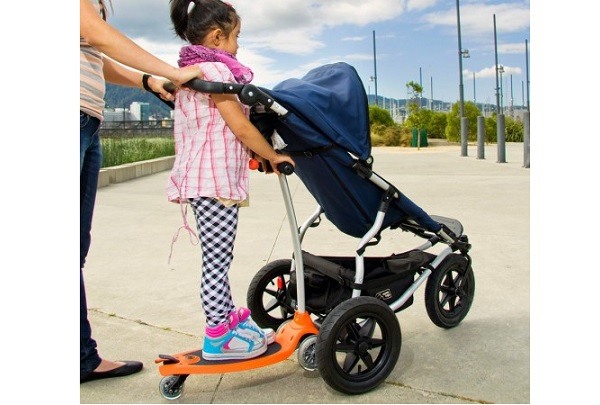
<point>223,343</point>
<point>242,320</point>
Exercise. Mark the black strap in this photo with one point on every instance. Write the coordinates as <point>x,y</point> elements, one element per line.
<point>309,152</point>
<point>145,78</point>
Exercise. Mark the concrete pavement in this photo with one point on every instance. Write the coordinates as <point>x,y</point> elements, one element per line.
<point>141,305</point>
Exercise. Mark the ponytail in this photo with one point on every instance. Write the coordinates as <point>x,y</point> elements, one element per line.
<point>179,16</point>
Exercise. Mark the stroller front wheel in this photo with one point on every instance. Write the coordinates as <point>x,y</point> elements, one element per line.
<point>449,291</point>
<point>358,345</point>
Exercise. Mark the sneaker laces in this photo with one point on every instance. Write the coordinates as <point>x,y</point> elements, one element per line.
<point>242,319</point>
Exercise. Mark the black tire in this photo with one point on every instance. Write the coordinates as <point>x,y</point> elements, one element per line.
<point>268,297</point>
<point>358,345</point>
<point>449,291</point>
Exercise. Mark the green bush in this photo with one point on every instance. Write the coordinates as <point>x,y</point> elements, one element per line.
<point>437,125</point>
<point>377,131</point>
<point>490,129</point>
<point>379,116</point>
<point>514,129</point>
<point>118,151</point>
<point>453,127</point>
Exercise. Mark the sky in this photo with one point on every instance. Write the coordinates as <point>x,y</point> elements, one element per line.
<point>415,40</point>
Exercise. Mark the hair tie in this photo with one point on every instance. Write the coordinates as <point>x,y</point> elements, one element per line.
<point>191,5</point>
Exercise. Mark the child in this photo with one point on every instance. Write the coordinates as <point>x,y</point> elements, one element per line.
<point>212,138</point>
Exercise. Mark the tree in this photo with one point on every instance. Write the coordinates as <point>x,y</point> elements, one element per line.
<point>418,117</point>
<point>453,126</point>
<point>415,91</point>
<point>437,125</point>
<point>379,116</point>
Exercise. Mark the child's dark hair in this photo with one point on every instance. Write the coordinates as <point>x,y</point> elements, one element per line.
<point>204,16</point>
<point>103,9</point>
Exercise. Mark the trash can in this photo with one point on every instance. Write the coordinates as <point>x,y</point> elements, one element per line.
<point>415,139</point>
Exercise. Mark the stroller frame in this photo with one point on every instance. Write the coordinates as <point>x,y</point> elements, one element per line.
<point>365,241</point>
<point>358,316</point>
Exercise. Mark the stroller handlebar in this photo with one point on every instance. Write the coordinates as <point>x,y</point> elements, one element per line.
<point>203,86</point>
<point>285,168</point>
<point>248,94</point>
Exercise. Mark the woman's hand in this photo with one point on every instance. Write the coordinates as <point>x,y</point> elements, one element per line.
<point>280,158</point>
<point>185,74</point>
<point>157,85</point>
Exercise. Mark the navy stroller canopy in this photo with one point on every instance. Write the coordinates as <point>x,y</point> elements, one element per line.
<point>329,117</point>
<point>329,101</point>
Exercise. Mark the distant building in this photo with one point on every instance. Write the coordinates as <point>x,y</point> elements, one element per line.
<point>140,111</point>
<point>117,114</point>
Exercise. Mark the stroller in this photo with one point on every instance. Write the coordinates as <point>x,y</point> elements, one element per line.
<point>322,121</point>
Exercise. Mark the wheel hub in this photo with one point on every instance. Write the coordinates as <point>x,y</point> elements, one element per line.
<point>363,348</point>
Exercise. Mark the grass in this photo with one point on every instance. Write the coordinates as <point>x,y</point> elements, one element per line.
<point>118,151</point>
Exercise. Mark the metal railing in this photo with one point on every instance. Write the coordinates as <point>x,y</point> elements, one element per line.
<point>148,128</point>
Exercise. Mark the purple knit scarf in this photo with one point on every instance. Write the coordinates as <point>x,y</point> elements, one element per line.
<point>192,54</point>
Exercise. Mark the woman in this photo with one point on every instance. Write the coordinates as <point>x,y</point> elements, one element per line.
<point>101,47</point>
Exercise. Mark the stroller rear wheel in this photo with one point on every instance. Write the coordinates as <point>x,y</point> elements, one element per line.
<point>358,345</point>
<point>268,296</point>
<point>449,292</point>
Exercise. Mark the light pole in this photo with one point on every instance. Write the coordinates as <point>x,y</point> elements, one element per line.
<point>375,68</point>
<point>501,70</point>
<point>512,100</point>
<point>431,85</point>
<point>526,127</point>
<point>463,120</point>
<point>420,84</point>
<point>474,91</point>
<point>527,71</point>
<point>500,126</point>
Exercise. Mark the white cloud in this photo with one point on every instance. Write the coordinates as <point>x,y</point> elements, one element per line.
<point>490,72</point>
<point>295,26</point>
<point>412,5</point>
<point>282,39</point>
<point>290,26</point>
<point>477,19</point>
<point>513,48</point>
<point>361,13</point>
<point>358,56</point>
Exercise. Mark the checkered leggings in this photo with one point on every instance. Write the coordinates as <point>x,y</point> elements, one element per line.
<point>217,227</point>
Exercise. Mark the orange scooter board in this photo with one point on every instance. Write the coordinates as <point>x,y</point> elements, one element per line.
<point>286,341</point>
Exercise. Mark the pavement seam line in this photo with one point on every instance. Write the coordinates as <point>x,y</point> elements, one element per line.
<point>477,401</point>
<point>139,321</point>
<point>214,395</point>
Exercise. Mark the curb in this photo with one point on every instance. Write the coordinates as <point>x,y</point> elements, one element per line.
<point>129,171</point>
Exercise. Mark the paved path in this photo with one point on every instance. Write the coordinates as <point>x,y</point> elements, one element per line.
<point>141,306</point>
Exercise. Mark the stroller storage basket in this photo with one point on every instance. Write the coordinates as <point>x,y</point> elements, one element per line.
<point>329,280</point>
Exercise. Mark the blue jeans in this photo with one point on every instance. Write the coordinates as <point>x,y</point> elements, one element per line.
<point>90,161</point>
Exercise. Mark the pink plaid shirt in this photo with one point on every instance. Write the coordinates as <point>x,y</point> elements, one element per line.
<point>210,161</point>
